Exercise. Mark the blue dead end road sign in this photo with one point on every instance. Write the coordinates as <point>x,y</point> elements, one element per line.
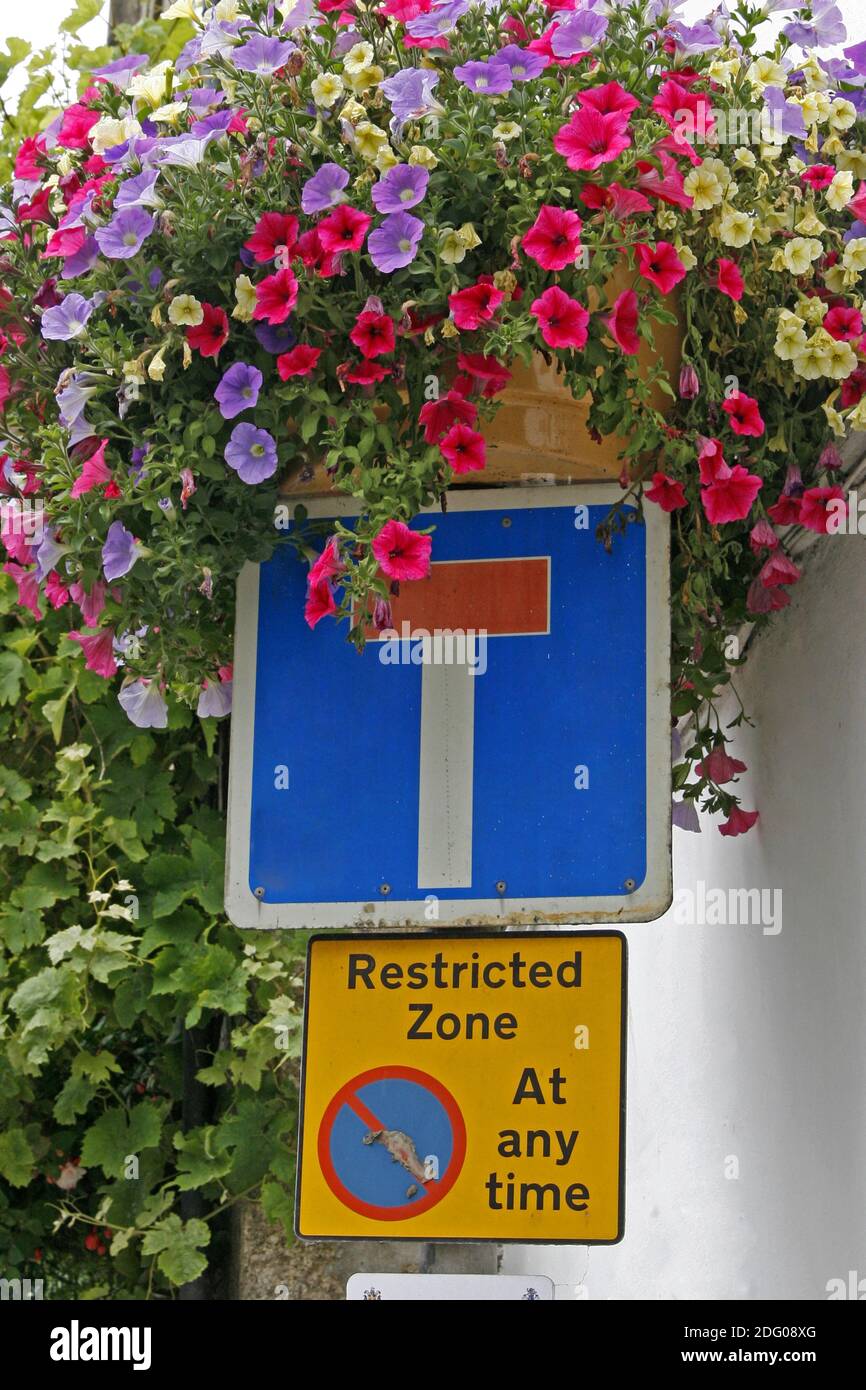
<point>504,753</point>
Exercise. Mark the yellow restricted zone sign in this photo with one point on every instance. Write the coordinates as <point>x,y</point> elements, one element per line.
<point>464,1087</point>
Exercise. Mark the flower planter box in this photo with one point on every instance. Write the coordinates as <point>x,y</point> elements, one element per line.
<point>539,433</point>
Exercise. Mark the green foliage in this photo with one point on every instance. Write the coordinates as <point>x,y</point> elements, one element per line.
<point>112,943</point>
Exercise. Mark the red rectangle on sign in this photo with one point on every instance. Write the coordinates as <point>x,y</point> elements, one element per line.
<point>500,597</point>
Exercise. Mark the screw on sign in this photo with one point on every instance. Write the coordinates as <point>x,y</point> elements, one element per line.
<point>372,1138</point>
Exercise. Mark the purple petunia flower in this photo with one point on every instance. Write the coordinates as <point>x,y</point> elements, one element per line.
<point>125,234</point>
<point>410,93</point>
<point>579,33</point>
<point>784,118</point>
<point>827,27</point>
<point>695,38</point>
<point>401,187</point>
<point>324,189</point>
<point>262,55</point>
<point>139,192</point>
<point>521,63</point>
<point>395,243</point>
<point>238,390</point>
<point>67,320</point>
<point>144,705</point>
<point>217,123</point>
<point>121,70</point>
<point>83,260</point>
<point>120,551</point>
<point>276,337</point>
<point>438,21</point>
<point>252,453</point>
<point>684,815</point>
<point>215,700</point>
<point>487,79</point>
<point>201,98</point>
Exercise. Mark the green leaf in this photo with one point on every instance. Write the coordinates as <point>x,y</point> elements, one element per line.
<point>17,1158</point>
<point>179,1247</point>
<point>120,1133</point>
<point>11,672</point>
<point>84,11</point>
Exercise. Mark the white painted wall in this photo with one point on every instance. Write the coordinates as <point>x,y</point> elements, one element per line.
<point>753,1045</point>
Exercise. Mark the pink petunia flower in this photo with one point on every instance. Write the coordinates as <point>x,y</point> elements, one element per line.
<point>320,602</point>
<point>401,552</point>
<point>344,229</point>
<point>711,460</point>
<point>373,334</point>
<point>660,264</point>
<point>743,413</point>
<point>623,320</point>
<point>439,416</point>
<point>778,569</point>
<point>328,565</point>
<point>731,498</point>
<point>729,279</point>
<point>273,230</point>
<point>719,766</point>
<point>561,319</point>
<point>276,297</point>
<point>464,448</point>
<point>98,648</point>
<point>610,99</point>
<point>27,584</point>
<point>591,139</point>
<point>815,511</point>
<point>299,361</point>
<point>56,591</point>
<point>553,240</point>
<point>476,305</point>
<point>762,537</point>
<point>90,604</point>
<point>738,822</point>
<point>94,471</point>
<point>666,492</point>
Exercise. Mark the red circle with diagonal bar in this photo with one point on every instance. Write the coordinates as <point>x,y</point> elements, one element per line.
<point>436,1189</point>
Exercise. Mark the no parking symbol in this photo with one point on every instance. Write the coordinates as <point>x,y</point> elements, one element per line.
<point>391,1143</point>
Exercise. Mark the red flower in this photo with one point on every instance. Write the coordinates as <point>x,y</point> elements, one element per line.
<point>475,305</point>
<point>611,99</point>
<point>818,176</point>
<point>401,552</point>
<point>815,510</point>
<point>273,229</point>
<point>853,388</point>
<point>78,121</point>
<point>27,165</point>
<point>209,336</point>
<point>320,602</point>
<point>668,186</point>
<point>778,569</point>
<point>485,368</point>
<point>760,599</point>
<point>591,139</point>
<point>844,323</point>
<point>738,822</point>
<point>731,498</point>
<point>439,416</point>
<point>622,202</point>
<point>743,414</point>
<point>785,512</point>
<point>729,279</point>
<point>464,449</point>
<point>328,565</point>
<point>561,319</point>
<point>344,229</point>
<point>622,322</point>
<point>366,373</point>
<point>300,361</point>
<point>686,112</point>
<point>373,334</point>
<point>719,767</point>
<point>660,264</point>
<point>762,537</point>
<point>314,256</point>
<point>666,492</point>
<point>94,471</point>
<point>711,460</point>
<point>553,240</point>
<point>276,297</point>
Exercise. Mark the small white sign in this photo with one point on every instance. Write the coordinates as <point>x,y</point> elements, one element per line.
<point>461,1288</point>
